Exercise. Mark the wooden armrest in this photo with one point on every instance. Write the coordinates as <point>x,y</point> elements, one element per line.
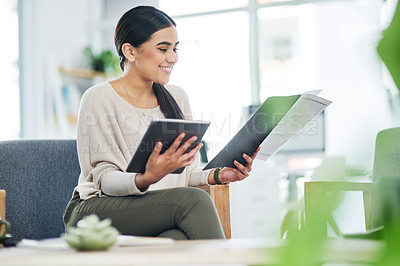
<point>220,196</point>
<point>2,207</point>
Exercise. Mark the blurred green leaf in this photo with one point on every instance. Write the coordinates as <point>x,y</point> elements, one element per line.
<point>389,47</point>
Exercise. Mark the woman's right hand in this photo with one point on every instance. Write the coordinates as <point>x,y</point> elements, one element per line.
<point>159,165</point>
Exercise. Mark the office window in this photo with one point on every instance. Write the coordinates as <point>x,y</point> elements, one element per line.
<point>179,7</point>
<point>288,54</point>
<point>9,89</point>
<point>213,68</point>
<point>272,1</point>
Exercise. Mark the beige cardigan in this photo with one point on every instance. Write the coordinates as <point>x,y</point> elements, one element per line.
<point>109,131</point>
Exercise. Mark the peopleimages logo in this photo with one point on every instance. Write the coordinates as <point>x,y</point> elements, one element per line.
<point>148,147</point>
<point>228,125</point>
<point>101,147</point>
<point>110,124</point>
<point>222,127</point>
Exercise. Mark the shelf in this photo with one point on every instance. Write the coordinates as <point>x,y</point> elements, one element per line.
<point>82,73</point>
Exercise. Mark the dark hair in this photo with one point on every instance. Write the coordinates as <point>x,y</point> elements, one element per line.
<point>136,27</point>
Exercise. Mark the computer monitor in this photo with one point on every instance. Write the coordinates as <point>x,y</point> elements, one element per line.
<point>310,139</point>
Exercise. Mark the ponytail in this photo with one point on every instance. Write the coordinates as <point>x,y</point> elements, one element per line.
<point>167,103</point>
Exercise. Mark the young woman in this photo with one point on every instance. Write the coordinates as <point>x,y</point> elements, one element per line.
<point>112,119</point>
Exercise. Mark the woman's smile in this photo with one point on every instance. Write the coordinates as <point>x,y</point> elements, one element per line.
<point>167,69</point>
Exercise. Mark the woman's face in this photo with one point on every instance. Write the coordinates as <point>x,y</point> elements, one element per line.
<point>155,59</point>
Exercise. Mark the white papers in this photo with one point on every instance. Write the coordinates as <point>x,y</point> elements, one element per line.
<point>122,241</point>
<point>45,244</point>
<point>307,107</point>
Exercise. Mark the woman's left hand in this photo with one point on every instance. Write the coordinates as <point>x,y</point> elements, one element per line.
<point>229,174</point>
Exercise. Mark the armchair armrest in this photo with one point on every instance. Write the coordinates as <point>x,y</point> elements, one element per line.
<point>2,207</point>
<point>220,196</point>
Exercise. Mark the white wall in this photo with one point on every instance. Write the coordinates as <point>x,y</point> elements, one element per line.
<point>53,33</point>
<point>350,75</point>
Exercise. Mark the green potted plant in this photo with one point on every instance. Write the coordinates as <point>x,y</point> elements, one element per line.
<point>105,61</point>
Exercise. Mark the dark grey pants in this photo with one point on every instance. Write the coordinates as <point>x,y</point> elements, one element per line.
<point>178,213</point>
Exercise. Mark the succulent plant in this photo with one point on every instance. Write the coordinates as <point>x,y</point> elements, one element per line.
<point>91,234</point>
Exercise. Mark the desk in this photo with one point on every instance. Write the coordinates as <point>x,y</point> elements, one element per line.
<point>232,251</point>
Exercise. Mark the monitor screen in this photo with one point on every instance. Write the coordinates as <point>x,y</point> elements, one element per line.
<point>310,139</point>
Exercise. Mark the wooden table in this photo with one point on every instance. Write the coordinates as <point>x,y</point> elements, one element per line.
<point>228,252</point>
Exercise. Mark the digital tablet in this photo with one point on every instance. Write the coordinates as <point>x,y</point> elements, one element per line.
<point>166,131</point>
